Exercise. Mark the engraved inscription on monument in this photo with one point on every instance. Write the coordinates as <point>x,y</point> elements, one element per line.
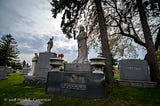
<point>74,81</point>
<point>73,86</point>
<point>73,78</point>
<point>132,68</point>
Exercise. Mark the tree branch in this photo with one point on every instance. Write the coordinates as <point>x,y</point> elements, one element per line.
<point>134,37</point>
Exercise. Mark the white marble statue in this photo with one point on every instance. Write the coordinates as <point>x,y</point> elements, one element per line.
<point>50,45</point>
<point>34,62</point>
<point>82,46</point>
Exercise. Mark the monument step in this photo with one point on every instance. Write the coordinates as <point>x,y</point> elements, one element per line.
<point>145,84</point>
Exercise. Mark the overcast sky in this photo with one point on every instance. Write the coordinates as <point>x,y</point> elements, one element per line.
<point>31,24</point>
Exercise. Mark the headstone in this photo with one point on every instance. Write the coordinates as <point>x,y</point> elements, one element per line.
<point>3,72</point>
<point>134,69</point>
<point>76,81</point>
<point>43,64</point>
<point>135,72</point>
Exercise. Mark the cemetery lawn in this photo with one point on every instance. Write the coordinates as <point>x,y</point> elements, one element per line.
<point>12,89</point>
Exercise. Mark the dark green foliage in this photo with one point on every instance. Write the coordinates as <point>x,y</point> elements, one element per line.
<point>71,10</point>
<point>9,52</point>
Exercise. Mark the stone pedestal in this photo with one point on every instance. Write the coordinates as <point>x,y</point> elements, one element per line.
<point>43,64</point>
<point>56,64</point>
<point>98,64</point>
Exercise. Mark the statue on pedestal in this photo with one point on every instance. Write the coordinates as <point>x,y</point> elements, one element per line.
<point>50,45</point>
<point>82,46</point>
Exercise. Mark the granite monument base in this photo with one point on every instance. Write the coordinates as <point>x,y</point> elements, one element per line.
<point>76,83</point>
<point>144,84</point>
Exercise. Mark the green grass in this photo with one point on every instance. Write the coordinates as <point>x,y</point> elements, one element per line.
<point>116,76</point>
<point>12,88</point>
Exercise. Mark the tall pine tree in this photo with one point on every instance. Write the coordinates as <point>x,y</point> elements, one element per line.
<point>9,52</point>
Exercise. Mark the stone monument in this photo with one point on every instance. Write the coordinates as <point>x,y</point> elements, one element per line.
<point>43,64</point>
<point>82,46</point>
<point>135,72</point>
<point>79,78</point>
<point>3,72</point>
<point>40,67</point>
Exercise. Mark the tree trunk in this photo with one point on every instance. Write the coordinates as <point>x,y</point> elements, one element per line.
<point>151,56</point>
<point>159,4</point>
<point>157,43</point>
<point>104,42</point>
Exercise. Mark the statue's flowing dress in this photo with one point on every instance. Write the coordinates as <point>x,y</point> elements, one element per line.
<point>82,47</point>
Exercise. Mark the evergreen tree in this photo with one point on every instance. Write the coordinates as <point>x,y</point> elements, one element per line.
<point>9,52</point>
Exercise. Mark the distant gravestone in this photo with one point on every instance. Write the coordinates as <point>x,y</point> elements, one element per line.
<point>135,72</point>
<point>9,70</point>
<point>25,70</point>
<point>134,69</point>
<point>3,72</point>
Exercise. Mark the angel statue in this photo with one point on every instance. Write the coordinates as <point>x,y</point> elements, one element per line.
<point>50,45</point>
